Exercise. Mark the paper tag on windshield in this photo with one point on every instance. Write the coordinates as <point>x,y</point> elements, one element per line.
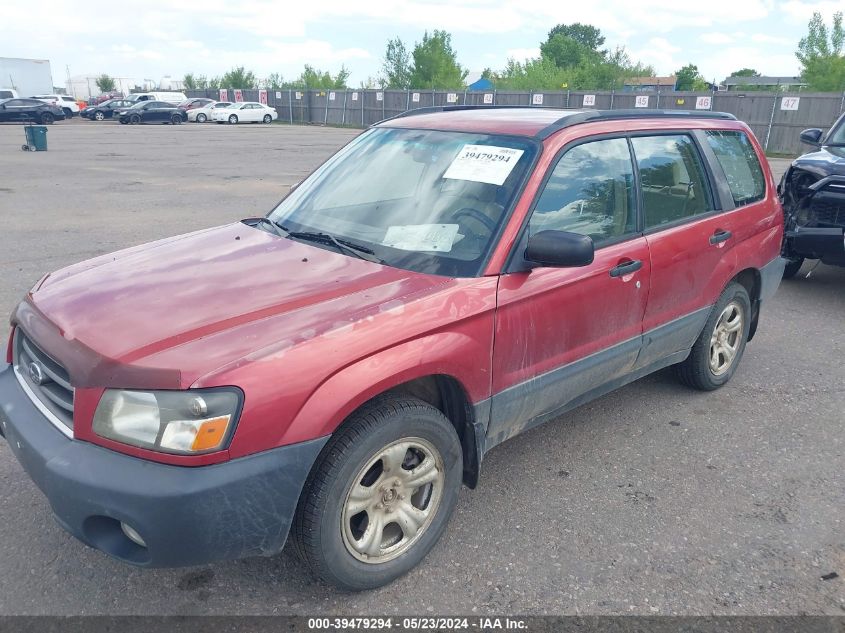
<point>422,237</point>
<point>483,163</point>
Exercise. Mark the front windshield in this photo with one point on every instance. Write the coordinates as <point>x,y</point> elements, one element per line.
<point>422,200</point>
<point>837,134</point>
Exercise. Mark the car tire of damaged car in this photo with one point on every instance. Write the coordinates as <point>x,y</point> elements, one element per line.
<point>380,495</point>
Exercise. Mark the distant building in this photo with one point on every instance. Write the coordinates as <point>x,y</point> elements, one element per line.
<point>649,84</point>
<point>480,84</point>
<point>85,86</point>
<point>770,84</point>
<point>27,76</point>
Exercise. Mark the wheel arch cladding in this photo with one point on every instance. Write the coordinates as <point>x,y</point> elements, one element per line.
<point>751,280</point>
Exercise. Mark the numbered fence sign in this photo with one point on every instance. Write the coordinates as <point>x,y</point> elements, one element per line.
<point>641,101</point>
<point>262,97</point>
<point>702,103</point>
<point>298,95</point>
<point>488,98</point>
<point>790,103</point>
<point>239,95</point>
<point>278,94</point>
<point>355,96</point>
<point>451,97</point>
<point>331,96</point>
<point>589,100</point>
<point>379,96</point>
<point>224,94</point>
<point>537,99</point>
<point>415,97</point>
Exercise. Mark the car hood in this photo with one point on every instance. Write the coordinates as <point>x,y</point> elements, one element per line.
<point>134,304</point>
<point>826,161</point>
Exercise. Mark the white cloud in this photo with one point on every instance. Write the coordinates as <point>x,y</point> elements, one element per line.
<point>716,38</point>
<point>521,54</point>
<point>660,53</point>
<point>799,10</point>
<point>765,38</point>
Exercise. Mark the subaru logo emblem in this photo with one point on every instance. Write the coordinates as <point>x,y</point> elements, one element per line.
<point>36,374</point>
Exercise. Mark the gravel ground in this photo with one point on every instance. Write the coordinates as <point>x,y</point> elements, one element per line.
<point>652,500</point>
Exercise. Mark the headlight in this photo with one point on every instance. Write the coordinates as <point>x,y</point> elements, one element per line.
<point>188,422</point>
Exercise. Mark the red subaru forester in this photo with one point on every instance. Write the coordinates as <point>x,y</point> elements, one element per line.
<point>338,368</point>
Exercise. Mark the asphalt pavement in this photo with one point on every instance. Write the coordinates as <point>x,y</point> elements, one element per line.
<point>652,500</point>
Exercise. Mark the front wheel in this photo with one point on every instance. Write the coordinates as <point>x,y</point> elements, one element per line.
<point>201,118</point>
<point>68,113</point>
<point>99,116</point>
<point>134,119</point>
<point>176,120</point>
<point>233,119</point>
<point>267,118</point>
<point>719,348</point>
<point>47,118</point>
<point>380,495</point>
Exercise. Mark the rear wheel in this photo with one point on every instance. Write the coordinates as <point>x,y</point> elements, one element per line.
<point>380,495</point>
<point>201,118</point>
<point>267,118</point>
<point>176,119</point>
<point>233,119</point>
<point>793,265</point>
<point>134,119</point>
<point>719,348</point>
<point>47,118</point>
<point>99,116</point>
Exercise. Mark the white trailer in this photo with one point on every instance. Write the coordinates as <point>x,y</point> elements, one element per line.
<point>27,76</point>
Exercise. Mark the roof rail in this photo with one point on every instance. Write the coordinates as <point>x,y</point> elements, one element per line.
<point>591,116</point>
<point>575,116</point>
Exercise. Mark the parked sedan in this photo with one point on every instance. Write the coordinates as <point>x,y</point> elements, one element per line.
<point>193,104</point>
<point>30,110</point>
<point>245,112</point>
<point>105,110</point>
<point>203,114</point>
<point>153,112</point>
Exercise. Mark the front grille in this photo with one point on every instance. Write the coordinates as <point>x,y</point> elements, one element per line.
<point>828,213</point>
<point>45,380</point>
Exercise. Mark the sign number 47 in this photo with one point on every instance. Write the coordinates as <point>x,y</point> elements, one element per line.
<point>790,103</point>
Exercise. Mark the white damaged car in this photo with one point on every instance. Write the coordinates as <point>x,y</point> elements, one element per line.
<point>203,114</point>
<point>245,112</point>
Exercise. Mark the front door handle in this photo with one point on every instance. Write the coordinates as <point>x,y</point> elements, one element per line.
<point>720,236</point>
<point>626,269</point>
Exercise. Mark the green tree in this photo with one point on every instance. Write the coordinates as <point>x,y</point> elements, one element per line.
<point>436,63</point>
<point>274,81</point>
<point>189,81</point>
<point>314,78</point>
<point>201,81</point>
<point>105,83</point>
<point>239,78</point>
<point>585,34</point>
<point>396,67</point>
<point>566,52</point>
<point>688,78</point>
<point>214,83</point>
<point>820,54</point>
<point>745,72</point>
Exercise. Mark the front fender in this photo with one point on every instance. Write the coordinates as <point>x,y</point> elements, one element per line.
<point>453,354</point>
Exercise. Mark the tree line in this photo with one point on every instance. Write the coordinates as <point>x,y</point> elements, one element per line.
<point>572,56</point>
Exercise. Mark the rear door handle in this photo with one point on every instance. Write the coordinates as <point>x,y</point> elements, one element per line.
<point>625,269</point>
<point>720,236</point>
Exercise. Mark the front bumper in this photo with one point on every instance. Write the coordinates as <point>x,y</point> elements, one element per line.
<point>185,515</point>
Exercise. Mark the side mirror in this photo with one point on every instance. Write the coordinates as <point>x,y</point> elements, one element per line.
<point>813,136</point>
<point>560,249</point>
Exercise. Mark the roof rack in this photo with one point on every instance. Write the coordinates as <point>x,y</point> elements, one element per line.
<point>576,116</point>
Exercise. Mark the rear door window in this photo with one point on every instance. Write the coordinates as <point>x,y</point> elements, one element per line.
<point>672,178</point>
<point>739,161</point>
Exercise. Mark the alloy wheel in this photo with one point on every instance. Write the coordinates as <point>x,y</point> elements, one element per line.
<point>726,339</point>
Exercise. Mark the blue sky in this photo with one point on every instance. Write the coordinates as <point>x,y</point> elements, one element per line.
<point>147,39</point>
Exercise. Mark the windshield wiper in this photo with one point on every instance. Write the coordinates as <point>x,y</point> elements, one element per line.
<point>356,250</point>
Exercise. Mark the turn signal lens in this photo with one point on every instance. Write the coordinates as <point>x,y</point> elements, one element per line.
<point>195,435</point>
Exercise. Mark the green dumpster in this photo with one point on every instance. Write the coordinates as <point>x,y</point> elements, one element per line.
<point>36,137</point>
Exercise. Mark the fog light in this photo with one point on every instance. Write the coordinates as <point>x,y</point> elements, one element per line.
<point>132,534</point>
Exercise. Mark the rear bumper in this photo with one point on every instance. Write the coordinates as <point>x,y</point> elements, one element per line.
<point>186,516</point>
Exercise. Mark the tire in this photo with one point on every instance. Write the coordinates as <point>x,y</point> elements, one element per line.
<point>176,120</point>
<point>99,116</point>
<point>47,118</point>
<point>123,121</point>
<point>268,118</point>
<point>330,539</point>
<point>793,265</point>
<point>68,113</point>
<point>704,371</point>
<point>201,118</point>
<point>233,119</point>
<point>134,119</point>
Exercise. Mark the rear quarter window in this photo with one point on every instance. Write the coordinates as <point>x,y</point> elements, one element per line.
<point>739,161</point>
